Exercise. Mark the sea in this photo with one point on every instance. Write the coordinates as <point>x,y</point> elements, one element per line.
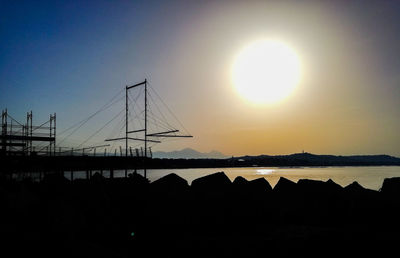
<point>370,177</point>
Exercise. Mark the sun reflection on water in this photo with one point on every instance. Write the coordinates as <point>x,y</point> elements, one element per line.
<point>264,171</point>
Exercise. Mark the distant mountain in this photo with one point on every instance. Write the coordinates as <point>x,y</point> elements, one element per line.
<point>189,153</point>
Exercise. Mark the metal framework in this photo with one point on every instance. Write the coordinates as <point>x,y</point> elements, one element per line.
<point>146,135</point>
<point>26,139</point>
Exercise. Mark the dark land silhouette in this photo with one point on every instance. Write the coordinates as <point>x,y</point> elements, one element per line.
<point>33,163</point>
<point>212,217</point>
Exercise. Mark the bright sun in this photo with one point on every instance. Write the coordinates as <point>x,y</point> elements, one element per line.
<point>266,71</point>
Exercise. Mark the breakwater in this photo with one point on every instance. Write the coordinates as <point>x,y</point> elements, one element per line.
<point>213,217</point>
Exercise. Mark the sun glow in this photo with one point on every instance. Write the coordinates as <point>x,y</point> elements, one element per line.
<point>266,71</point>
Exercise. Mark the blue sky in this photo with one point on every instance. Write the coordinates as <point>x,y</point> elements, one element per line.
<point>70,57</point>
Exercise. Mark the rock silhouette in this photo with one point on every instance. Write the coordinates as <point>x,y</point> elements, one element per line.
<point>391,186</point>
<point>170,182</point>
<point>260,185</point>
<point>213,217</point>
<point>217,182</point>
<point>285,186</point>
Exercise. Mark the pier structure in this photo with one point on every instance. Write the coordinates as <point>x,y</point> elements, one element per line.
<point>28,147</point>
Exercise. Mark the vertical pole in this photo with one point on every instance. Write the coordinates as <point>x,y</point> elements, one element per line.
<point>2,130</point>
<point>3,141</point>
<point>26,141</point>
<point>23,131</point>
<point>5,127</point>
<point>105,152</point>
<point>26,134</point>
<point>27,147</point>
<point>54,134</point>
<point>145,126</point>
<point>31,142</point>
<point>126,121</point>
<point>51,123</point>
<point>11,132</point>
<point>126,128</point>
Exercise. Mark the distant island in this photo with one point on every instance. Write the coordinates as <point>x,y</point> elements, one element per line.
<point>309,159</point>
<point>297,159</point>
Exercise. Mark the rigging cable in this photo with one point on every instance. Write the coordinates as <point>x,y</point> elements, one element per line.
<point>83,122</point>
<point>100,128</point>
<point>162,120</point>
<point>187,131</point>
<point>99,110</point>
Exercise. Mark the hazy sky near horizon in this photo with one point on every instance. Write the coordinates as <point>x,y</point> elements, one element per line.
<point>70,57</point>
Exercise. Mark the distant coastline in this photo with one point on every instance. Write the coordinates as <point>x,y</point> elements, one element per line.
<point>75,163</point>
<point>292,160</point>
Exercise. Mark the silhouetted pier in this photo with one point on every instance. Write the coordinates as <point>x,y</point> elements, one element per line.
<point>27,148</point>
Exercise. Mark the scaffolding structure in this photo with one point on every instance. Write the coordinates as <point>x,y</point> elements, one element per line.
<point>25,138</point>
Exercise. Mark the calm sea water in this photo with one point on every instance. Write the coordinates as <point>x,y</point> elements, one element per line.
<point>369,177</point>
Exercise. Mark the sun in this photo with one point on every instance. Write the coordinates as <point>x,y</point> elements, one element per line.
<point>266,71</point>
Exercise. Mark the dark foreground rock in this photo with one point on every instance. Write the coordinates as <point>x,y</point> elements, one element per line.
<point>214,217</point>
<point>217,182</point>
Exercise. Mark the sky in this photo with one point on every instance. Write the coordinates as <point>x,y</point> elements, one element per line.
<point>72,57</point>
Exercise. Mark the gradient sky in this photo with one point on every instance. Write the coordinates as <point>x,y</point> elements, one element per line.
<point>70,57</point>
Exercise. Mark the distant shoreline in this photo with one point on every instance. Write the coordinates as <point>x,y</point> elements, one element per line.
<point>15,164</point>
